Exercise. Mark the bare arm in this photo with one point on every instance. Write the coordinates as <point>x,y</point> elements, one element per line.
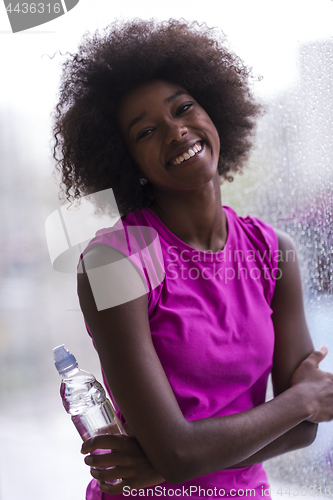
<point>181,450</point>
<point>292,345</point>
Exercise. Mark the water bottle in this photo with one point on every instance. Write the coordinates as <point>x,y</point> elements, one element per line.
<point>84,399</point>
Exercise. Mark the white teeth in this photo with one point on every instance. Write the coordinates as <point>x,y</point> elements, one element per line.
<point>186,156</point>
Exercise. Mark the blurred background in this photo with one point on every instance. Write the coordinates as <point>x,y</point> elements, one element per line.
<point>289,182</point>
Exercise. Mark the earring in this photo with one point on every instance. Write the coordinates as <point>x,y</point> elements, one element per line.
<point>143,181</point>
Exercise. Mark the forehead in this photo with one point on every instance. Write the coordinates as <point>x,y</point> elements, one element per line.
<point>148,94</point>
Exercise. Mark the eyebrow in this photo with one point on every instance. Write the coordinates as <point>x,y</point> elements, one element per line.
<point>175,95</point>
<point>135,121</point>
<point>172,98</point>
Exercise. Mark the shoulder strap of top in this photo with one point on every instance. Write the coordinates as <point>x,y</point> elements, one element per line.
<point>262,240</point>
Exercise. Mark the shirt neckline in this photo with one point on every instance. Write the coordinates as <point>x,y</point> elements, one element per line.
<point>173,240</point>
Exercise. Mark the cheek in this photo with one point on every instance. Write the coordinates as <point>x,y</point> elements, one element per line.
<point>209,125</point>
<point>218,141</point>
<point>215,135</point>
<point>145,156</point>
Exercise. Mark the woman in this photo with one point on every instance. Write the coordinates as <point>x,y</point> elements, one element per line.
<point>160,113</point>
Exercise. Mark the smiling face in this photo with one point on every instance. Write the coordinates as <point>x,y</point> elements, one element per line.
<point>170,136</point>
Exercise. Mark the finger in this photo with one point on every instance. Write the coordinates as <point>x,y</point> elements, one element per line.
<point>323,350</point>
<point>111,489</point>
<point>108,460</point>
<point>104,442</point>
<point>317,356</point>
<point>128,430</point>
<point>111,473</point>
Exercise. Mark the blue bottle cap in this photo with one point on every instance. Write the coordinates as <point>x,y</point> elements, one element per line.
<point>64,361</point>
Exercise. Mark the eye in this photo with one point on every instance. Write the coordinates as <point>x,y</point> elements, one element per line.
<point>184,107</point>
<point>144,133</point>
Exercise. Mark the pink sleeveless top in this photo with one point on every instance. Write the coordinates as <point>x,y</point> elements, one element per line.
<point>215,309</point>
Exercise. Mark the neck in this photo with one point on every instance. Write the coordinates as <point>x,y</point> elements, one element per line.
<point>196,216</point>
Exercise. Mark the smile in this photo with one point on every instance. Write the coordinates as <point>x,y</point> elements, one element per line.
<point>192,151</point>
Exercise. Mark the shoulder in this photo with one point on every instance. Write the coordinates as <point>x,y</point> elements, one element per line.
<point>287,260</point>
<point>261,234</point>
<point>285,241</point>
<point>109,279</point>
<point>97,256</point>
<point>288,290</point>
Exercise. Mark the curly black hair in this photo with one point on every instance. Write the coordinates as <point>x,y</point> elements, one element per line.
<point>89,149</point>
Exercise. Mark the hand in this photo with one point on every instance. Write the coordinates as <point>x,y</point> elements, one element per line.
<point>127,460</point>
<point>317,385</point>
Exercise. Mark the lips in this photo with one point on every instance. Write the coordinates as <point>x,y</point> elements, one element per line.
<point>186,153</point>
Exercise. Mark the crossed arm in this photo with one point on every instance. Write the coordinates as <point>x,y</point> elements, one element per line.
<point>292,345</point>
<point>165,444</point>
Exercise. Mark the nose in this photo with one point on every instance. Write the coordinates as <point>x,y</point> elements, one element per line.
<point>175,131</point>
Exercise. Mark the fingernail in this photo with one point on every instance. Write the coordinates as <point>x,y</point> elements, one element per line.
<point>323,349</point>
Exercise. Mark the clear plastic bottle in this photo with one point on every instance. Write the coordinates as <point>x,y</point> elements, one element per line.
<point>85,400</point>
